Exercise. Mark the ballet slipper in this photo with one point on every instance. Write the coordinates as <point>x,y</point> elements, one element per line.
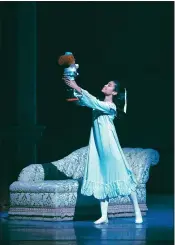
<point>104,212</point>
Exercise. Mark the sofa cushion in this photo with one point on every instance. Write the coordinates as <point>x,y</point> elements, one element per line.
<point>47,186</point>
<point>55,194</point>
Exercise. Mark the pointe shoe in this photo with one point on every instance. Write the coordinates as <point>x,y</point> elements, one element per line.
<point>138,219</point>
<point>102,220</point>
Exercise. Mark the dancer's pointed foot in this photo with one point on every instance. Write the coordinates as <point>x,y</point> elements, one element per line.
<point>102,220</point>
<point>138,219</point>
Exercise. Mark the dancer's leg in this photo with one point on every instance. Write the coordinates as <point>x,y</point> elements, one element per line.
<point>138,214</point>
<point>104,212</point>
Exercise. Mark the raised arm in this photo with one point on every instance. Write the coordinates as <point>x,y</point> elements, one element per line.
<point>86,99</point>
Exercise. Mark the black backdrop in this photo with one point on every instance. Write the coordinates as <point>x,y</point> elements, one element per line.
<point>131,42</point>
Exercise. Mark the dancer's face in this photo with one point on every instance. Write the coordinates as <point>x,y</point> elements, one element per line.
<point>109,89</point>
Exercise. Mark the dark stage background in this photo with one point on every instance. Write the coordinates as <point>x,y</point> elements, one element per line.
<point>131,42</point>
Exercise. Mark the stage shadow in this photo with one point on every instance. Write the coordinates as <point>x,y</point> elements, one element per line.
<point>87,207</point>
<point>52,173</point>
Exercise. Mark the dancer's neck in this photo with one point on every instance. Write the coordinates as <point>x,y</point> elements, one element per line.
<point>108,98</point>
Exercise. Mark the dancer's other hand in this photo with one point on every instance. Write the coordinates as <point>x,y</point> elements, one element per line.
<point>71,84</point>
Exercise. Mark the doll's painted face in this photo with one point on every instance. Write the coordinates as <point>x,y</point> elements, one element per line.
<point>109,89</point>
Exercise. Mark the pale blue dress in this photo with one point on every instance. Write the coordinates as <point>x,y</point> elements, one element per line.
<point>107,173</point>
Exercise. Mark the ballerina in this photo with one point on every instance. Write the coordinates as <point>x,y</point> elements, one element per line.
<point>107,173</point>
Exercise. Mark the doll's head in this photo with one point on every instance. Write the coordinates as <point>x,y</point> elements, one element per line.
<point>66,60</point>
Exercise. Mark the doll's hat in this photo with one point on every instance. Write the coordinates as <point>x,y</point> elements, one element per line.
<point>68,53</point>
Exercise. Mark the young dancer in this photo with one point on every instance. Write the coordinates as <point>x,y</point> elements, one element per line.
<point>107,173</point>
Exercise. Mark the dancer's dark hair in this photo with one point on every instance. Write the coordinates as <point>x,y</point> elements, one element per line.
<point>119,99</point>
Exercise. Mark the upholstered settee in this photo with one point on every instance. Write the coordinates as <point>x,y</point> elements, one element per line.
<point>51,191</point>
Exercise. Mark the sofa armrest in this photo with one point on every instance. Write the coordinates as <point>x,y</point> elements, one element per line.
<point>32,173</point>
<point>140,161</point>
<point>151,158</point>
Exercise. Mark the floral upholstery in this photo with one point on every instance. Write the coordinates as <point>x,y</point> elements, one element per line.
<point>35,197</point>
<point>73,165</point>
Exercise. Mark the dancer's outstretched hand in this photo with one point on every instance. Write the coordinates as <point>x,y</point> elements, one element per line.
<point>70,83</point>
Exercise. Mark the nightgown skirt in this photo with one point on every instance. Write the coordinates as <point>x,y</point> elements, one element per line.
<point>107,173</point>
